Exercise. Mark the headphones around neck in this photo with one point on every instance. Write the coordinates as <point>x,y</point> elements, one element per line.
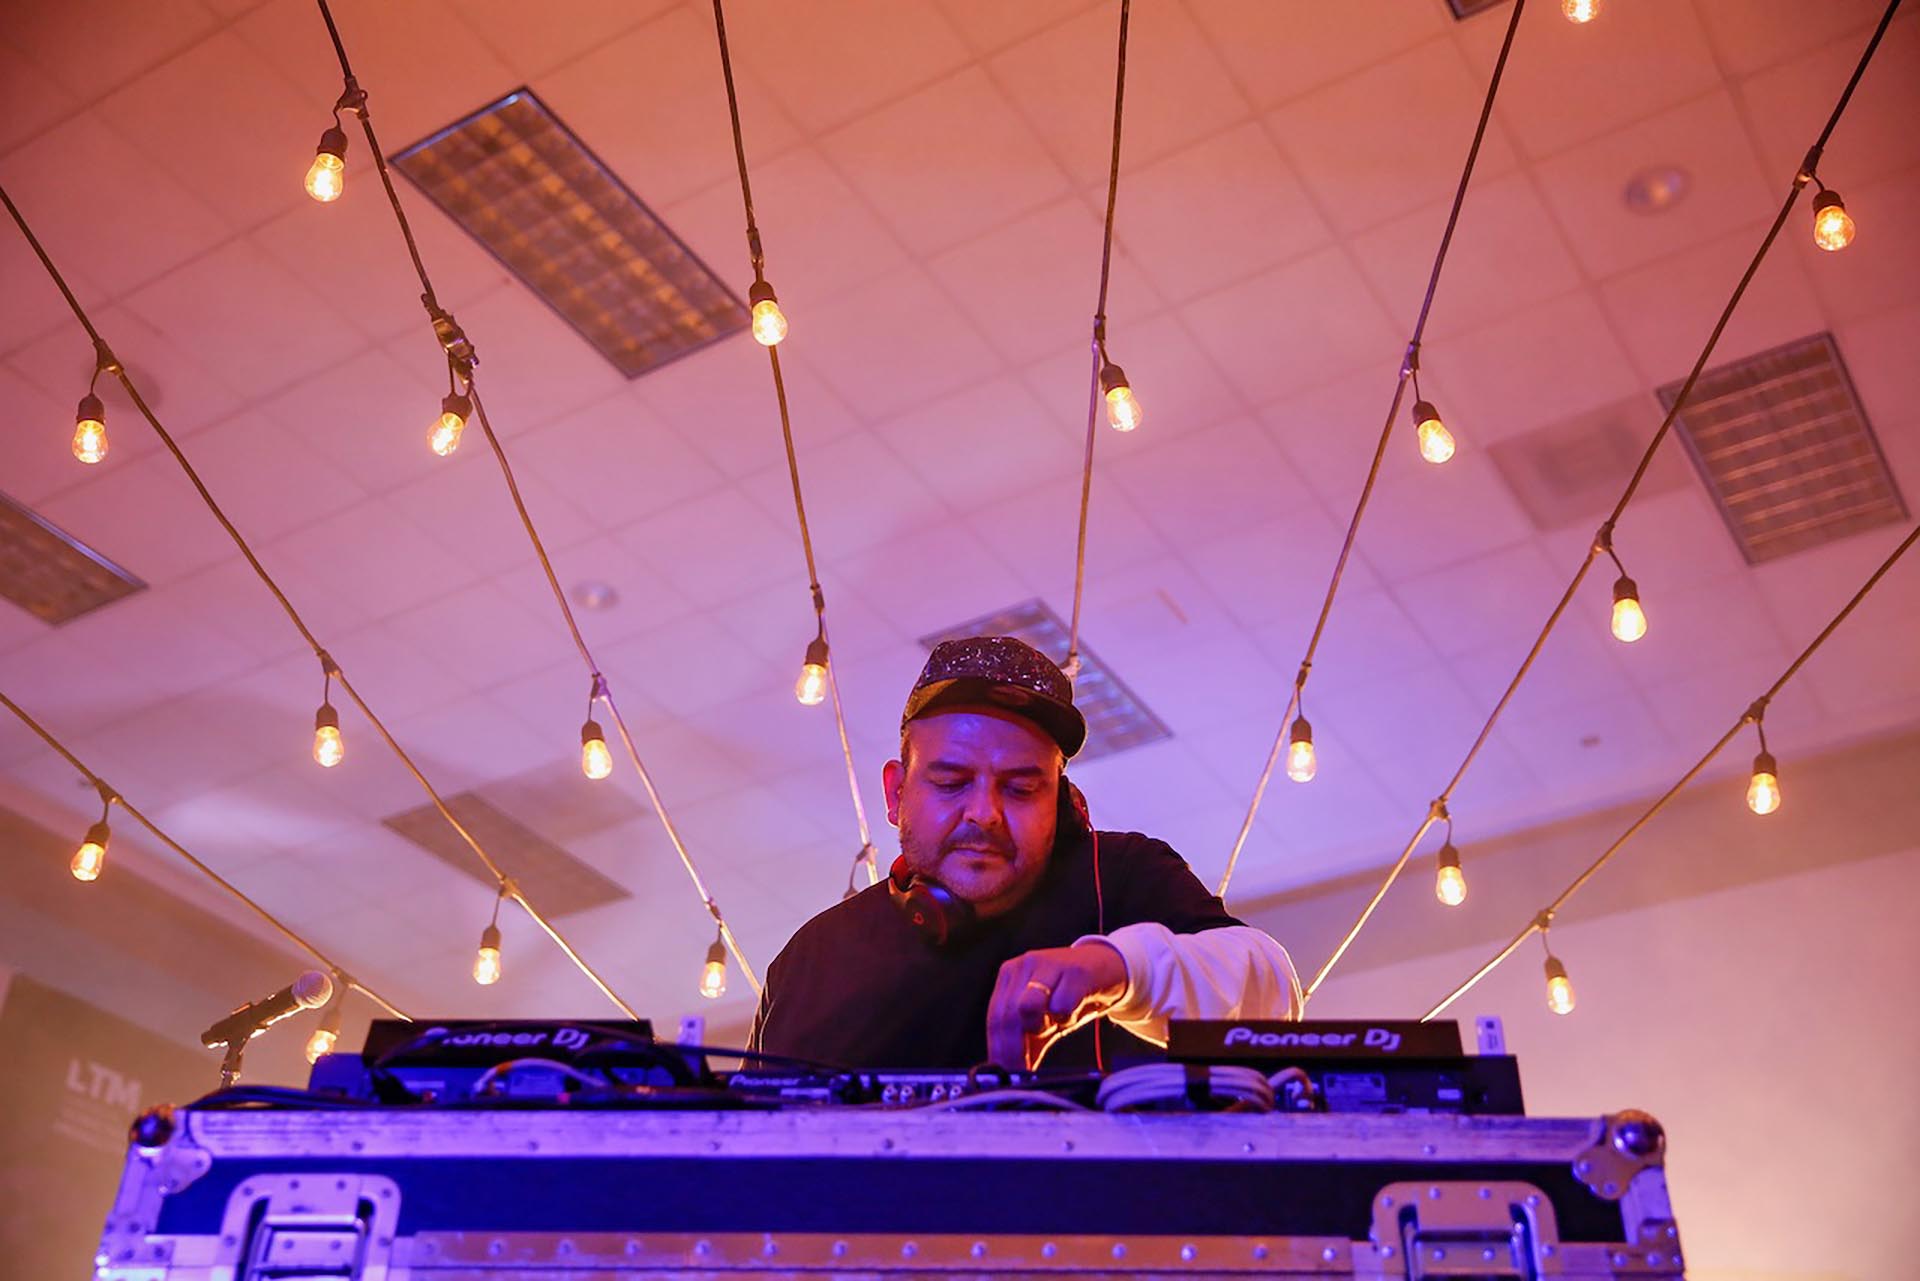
<point>940,916</point>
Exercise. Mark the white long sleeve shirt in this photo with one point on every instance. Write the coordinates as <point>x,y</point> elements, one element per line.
<point>1233,972</point>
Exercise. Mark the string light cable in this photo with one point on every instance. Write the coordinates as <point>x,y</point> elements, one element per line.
<point>106,362</point>
<point>1753,715</point>
<point>1107,384</point>
<point>98,834</point>
<point>464,404</point>
<point>818,680</point>
<point>1436,446</point>
<point>1603,540</point>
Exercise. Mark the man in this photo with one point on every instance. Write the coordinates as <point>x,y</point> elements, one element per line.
<point>1007,925</point>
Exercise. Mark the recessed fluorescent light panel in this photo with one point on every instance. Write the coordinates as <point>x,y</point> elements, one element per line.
<point>1116,718</point>
<point>50,573</point>
<point>525,187</point>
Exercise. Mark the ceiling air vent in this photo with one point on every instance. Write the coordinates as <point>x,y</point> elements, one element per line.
<point>525,187</point>
<point>1570,472</point>
<point>559,801</point>
<point>1116,718</point>
<point>1786,450</point>
<point>51,574</point>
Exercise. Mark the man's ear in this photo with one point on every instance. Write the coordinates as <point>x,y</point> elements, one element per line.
<point>890,780</point>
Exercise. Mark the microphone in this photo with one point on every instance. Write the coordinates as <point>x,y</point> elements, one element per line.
<point>308,992</point>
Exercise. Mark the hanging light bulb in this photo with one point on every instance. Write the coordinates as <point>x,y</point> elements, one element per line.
<point>444,436</point>
<point>1301,761</point>
<point>486,962</point>
<point>1449,882</point>
<point>1629,620</point>
<point>327,177</point>
<point>596,761</point>
<point>769,322</point>
<point>1580,12</point>
<point>811,688</point>
<point>1832,224</point>
<point>91,857</point>
<point>328,747</point>
<point>327,1034</point>
<point>1123,407</point>
<point>1559,986</point>
<point>1436,442</point>
<point>1763,792</point>
<point>713,974</point>
<point>90,430</point>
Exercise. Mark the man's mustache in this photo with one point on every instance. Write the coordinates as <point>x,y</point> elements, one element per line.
<point>973,836</point>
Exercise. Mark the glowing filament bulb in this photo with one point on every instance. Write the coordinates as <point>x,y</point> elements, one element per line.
<point>1629,620</point>
<point>327,177</point>
<point>769,322</point>
<point>596,761</point>
<point>1123,407</point>
<point>1301,761</point>
<point>321,1042</point>
<point>91,857</point>
<point>1580,12</point>
<point>444,436</point>
<point>811,688</point>
<point>713,974</point>
<point>328,747</point>
<point>1436,442</point>
<point>1559,987</point>
<point>486,962</point>
<point>1763,793</point>
<point>1832,224</point>
<point>1449,882</point>
<point>90,430</point>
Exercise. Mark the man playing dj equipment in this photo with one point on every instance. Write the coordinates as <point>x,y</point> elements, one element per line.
<point>1007,924</point>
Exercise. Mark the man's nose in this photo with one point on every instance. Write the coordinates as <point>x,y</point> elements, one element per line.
<point>983,807</point>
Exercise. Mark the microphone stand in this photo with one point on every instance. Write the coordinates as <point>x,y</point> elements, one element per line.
<point>230,1062</point>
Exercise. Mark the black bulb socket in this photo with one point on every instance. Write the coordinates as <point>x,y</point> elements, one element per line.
<point>1828,199</point>
<point>760,292</point>
<point>1112,378</point>
<point>333,143</point>
<point>1625,588</point>
<point>91,410</point>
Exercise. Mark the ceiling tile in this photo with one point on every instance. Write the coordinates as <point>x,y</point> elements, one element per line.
<point>34,305</point>
<point>465,507</point>
<point>368,416</point>
<point>117,512</point>
<point>1563,83</point>
<point>643,598</point>
<point>721,401</point>
<point>821,238</point>
<point>717,546</point>
<point>858,494</point>
<point>987,25</point>
<point>1269,352</point>
<point>1273,576</point>
<point>1210,683</point>
<point>252,136</point>
<point>1063,79</point>
<point>1505,254</point>
<point>684,665</point>
<point>31,98</point>
<point>826,72</point>
<point>532,42</point>
<point>1585,186</point>
<point>365,563</point>
<point>421,66</point>
<point>947,163</point>
<point>1281,52</point>
<point>128,219</point>
<point>1871,275</point>
<point>1178,383</point>
<point>1546,362</point>
<point>482,633</point>
<point>1596,752</point>
<point>1035,533</point>
<point>37,438</point>
<point>266,478</point>
<point>1664,312</point>
<point>261,328</point>
<point>928,580</point>
<point>1490,600</point>
<point>1365,158</point>
<point>1748,35</point>
<point>1187,246</point>
<point>893,343</point>
<point>1787,105</point>
<point>615,461</point>
<point>1150,612</point>
<point>1579,661</point>
<point>1027,287</point>
<point>97,44</point>
<point>534,366</point>
<point>1210,483</point>
<point>972,446</point>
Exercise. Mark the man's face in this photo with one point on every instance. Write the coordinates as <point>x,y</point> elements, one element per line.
<point>975,801</point>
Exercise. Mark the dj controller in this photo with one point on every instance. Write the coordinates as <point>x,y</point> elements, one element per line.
<point>462,1151</point>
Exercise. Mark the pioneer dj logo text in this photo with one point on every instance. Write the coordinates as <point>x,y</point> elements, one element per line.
<point>1382,1039</point>
<point>561,1038</point>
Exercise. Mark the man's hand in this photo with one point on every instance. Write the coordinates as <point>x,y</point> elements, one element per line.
<point>1044,994</point>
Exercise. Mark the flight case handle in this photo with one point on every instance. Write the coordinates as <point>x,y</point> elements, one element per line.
<point>1485,1231</point>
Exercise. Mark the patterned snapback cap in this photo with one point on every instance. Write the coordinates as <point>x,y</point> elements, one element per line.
<point>999,671</point>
